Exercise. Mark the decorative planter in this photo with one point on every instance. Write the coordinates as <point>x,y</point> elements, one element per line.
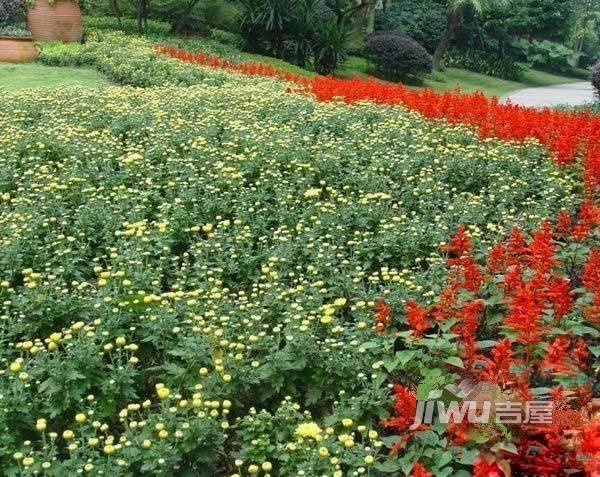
<point>60,20</point>
<point>18,50</point>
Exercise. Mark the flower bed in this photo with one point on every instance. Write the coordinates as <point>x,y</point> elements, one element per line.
<point>567,135</point>
<point>189,274</point>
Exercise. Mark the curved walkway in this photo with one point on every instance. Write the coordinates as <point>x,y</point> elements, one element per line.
<point>573,94</point>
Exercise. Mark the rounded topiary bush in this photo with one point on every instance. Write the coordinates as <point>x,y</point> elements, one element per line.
<point>596,78</point>
<point>397,55</point>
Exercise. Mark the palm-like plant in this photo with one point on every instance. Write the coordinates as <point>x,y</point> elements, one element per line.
<point>456,12</point>
<point>332,46</point>
<point>302,35</point>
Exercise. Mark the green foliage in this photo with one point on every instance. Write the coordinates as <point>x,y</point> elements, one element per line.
<point>180,257</point>
<point>396,55</point>
<point>124,59</point>
<point>14,31</point>
<point>541,19</point>
<point>484,63</point>
<point>596,78</point>
<point>547,55</point>
<point>12,11</point>
<point>331,48</point>
<point>155,28</point>
<point>300,31</point>
<point>219,14</point>
<point>422,20</point>
<point>57,53</point>
<point>227,38</point>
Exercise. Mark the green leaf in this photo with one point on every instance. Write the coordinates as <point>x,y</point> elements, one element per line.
<point>455,361</point>
<point>595,350</point>
<point>468,456</point>
<point>506,447</point>
<point>388,466</point>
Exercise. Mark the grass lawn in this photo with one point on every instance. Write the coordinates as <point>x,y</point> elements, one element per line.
<point>33,75</point>
<point>13,76</point>
<point>470,81</point>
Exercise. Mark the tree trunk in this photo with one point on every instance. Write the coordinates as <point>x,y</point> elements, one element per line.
<point>140,16</point>
<point>451,25</point>
<point>117,10</point>
<point>178,27</point>
<point>371,19</point>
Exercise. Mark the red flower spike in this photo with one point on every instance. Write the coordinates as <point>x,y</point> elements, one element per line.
<point>591,271</point>
<point>557,353</point>
<point>416,317</point>
<point>590,439</point>
<point>483,468</point>
<point>459,245</point>
<point>541,249</point>
<point>524,315</point>
<point>560,297</point>
<point>419,470</point>
<point>580,353</point>
<point>564,224</point>
<point>405,408</point>
<point>516,247</point>
<point>383,315</point>
<point>497,259</point>
<point>589,219</point>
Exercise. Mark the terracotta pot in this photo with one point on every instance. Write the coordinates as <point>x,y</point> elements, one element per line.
<point>60,21</point>
<point>18,50</point>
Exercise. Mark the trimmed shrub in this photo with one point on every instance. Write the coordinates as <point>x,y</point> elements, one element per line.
<point>12,11</point>
<point>423,20</point>
<point>14,31</point>
<point>483,62</point>
<point>596,78</point>
<point>396,55</point>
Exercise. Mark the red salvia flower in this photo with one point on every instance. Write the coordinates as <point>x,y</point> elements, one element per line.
<point>564,223</point>
<point>468,322</point>
<point>466,273</point>
<point>524,315</point>
<point>497,260</point>
<point>591,271</point>
<point>458,432</point>
<point>417,317</point>
<point>512,280</point>
<point>590,439</point>
<point>459,244</point>
<point>497,368</point>
<point>405,408</point>
<point>516,247</point>
<point>419,470</point>
<point>589,218</point>
<point>557,353</point>
<point>444,308</point>
<point>592,467</point>
<point>483,468</point>
<point>383,315</point>
<point>541,249</point>
<point>580,353</point>
<point>560,296</point>
<point>592,313</point>
<point>473,276</point>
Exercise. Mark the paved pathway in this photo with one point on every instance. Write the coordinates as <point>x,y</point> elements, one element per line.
<point>572,94</point>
